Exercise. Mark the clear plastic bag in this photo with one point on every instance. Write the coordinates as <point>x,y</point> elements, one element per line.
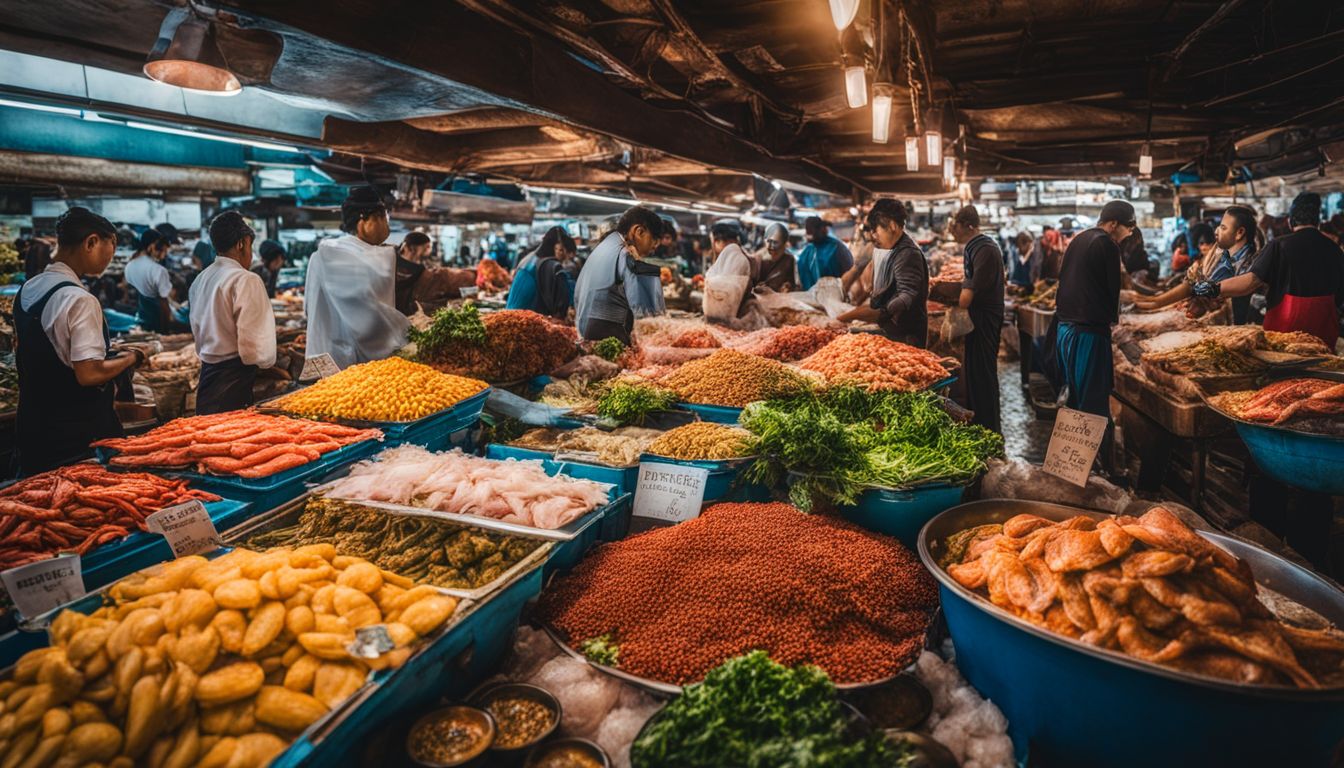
<point>723,295</point>
<point>956,323</point>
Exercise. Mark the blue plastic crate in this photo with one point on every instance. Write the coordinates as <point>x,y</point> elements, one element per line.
<point>435,428</point>
<point>902,513</point>
<point>616,525</point>
<point>142,549</point>
<point>624,478</point>
<point>267,493</point>
<point>719,414</point>
<point>567,554</point>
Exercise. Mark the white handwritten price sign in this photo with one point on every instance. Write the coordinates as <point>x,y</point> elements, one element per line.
<point>1074,444</point>
<point>39,587</point>
<point>187,527</point>
<point>669,492</point>
<point>319,367</point>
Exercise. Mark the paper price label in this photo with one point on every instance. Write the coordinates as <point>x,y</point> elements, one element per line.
<point>371,642</point>
<point>39,587</point>
<point>669,492</point>
<point>319,367</point>
<point>187,527</point>
<point>1074,444</point>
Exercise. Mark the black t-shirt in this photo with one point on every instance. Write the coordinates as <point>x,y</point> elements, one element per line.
<point>984,276</point>
<point>1089,282</point>
<point>901,293</point>
<point>1305,263</point>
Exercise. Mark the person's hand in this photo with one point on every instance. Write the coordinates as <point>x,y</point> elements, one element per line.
<point>1206,289</point>
<point>141,352</point>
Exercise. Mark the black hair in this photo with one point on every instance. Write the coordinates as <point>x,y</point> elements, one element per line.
<point>1201,234</point>
<point>886,211</point>
<point>639,215</point>
<point>1245,219</point>
<point>148,239</point>
<point>812,222</point>
<point>416,239</point>
<point>1306,209</point>
<point>228,230</point>
<point>77,223</point>
<point>270,250</point>
<point>360,203</point>
<point>726,231</point>
<point>967,216</point>
<point>553,236</point>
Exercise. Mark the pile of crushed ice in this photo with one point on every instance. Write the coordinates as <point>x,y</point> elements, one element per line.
<point>972,727</point>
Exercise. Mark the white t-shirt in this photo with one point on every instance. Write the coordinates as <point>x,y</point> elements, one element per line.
<point>231,315</point>
<point>148,277</point>
<point>72,319</point>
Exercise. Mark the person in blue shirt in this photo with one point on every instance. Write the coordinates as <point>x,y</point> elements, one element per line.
<point>1235,245</point>
<point>824,255</point>
<point>539,283</point>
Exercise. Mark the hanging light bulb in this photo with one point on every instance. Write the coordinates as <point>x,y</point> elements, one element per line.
<point>911,152</point>
<point>186,54</point>
<point>1146,161</point>
<point>949,171</point>
<point>856,86</point>
<point>933,148</point>
<point>843,12</point>
<point>881,112</point>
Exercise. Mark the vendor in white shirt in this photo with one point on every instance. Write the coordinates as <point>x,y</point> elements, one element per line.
<point>147,275</point>
<point>231,319</point>
<point>729,279</point>
<point>64,358</point>
<point>350,290</point>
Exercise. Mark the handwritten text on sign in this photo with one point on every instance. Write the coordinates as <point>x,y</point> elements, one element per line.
<point>670,492</point>
<point>39,587</point>
<point>187,527</point>
<point>319,367</point>
<point>1074,445</point>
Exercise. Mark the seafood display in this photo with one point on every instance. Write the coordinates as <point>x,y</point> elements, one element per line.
<point>787,344</point>
<point>1148,587</point>
<point>383,390</point>
<point>732,378</point>
<point>502,346</point>
<point>1307,405</point>
<point>619,448</point>
<point>876,362</point>
<point>242,443</point>
<point>703,440</point>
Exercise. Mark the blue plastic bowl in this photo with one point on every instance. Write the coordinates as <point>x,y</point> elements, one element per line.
<point>1069,703</point>
<point>1298,459</point>
<point>902,513</point>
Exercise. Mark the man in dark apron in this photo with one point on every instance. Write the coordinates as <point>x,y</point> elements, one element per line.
<point>64,358</point>
<point>900,296</point>
<point>231,320</point>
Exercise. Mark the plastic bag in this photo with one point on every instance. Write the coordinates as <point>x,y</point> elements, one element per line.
<point>956,323</point>
<point>723,295</point>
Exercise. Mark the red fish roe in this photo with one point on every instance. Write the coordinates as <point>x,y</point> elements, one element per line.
<point>811,589</point>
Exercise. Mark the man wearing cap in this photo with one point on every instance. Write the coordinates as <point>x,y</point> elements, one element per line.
<point>231,320</point>
<point>824,256</point>
<point>1087,304</point>
<point>147,275</point>
<point>268,268</point>
<point>728,280</point>
<point>350,289</point>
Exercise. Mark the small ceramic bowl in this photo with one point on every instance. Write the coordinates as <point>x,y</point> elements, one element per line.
<point>483,699</point>
<point>477,719</point>
<point>536,758</point>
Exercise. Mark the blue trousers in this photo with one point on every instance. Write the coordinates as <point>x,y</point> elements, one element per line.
<point>1089,372</point>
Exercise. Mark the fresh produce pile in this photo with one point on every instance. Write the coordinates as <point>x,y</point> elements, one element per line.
<point>79,507</point>
<point>752,711</point>
<point>618,448</point>
<point>504,346</point>
<point>673,603</point>
<point>242,443</point>
<point>9,383</point>
<point>1207,357</point>
<point>845,440</point>
<point>383,390</point>
<point>513,491</point>
<point>876,362</point>
<point>1308,405</point>
<point>1148,587</point>
<point>1043,296</point>
<point>697,338</point>
<point>425,549</point>
<point>733,379</point>
<point>787,344</point>
<point>627,402</point>
<point>209,663</point>
<point>703,441</point>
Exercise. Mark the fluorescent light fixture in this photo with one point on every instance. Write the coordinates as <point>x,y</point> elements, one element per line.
<point>843,13</point>
<point>912,153</point>
<point>628,201</point>
<point>856,86</point>
<point>1146,161</point>
<point>933,148</point>
<point>881,114</point>
<point>209,136</point>
<point>39,107</point>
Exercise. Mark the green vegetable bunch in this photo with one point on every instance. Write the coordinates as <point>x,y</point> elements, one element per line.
<point>609,349</point>
<point>450,327</point>
<point>627,403</point>
<point>754,713</point>
<point>845,440</point>
<point>601,650</point>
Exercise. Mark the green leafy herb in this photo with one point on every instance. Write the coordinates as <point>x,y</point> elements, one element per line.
<point>609,349</point>
<point>449,328</point>
<point>754,713</point>
<point>627,403</point>
<point>601,650</point>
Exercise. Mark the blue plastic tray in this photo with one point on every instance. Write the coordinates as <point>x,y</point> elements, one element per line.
<point>141,549</point>
<point>265,493</point>
<point>567,554</point>
<point>435,427</point>
<point>624,478</point>
<point>902,513</point>
<point>1299,459</point>
<point>719,414</point>
<point>616,525</point>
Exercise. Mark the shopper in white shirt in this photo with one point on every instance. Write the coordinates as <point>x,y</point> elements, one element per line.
<point>231,319</point>
<point>147,275</point>
<point>729,279</point>
<point>63,357</point>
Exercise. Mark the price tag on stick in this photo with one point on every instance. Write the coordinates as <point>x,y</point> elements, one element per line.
<point>1074,444</point>
<point>39,587</point>
<point>187,527</point>
<point>669,492</point>
<point>319,367</point>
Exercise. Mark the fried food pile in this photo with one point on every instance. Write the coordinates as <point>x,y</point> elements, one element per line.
<point>1311,405</point>
<point>1149,587</point>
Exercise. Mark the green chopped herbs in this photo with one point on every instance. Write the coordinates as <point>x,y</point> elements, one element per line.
<point>754,713</point>
<point>627,403</point>
<point>450,327</point>
<point>609,349</point>
<point>841,442</point>
<point>601,650</point>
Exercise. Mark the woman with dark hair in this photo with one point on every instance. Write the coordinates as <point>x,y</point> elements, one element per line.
<point>539,284</point>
